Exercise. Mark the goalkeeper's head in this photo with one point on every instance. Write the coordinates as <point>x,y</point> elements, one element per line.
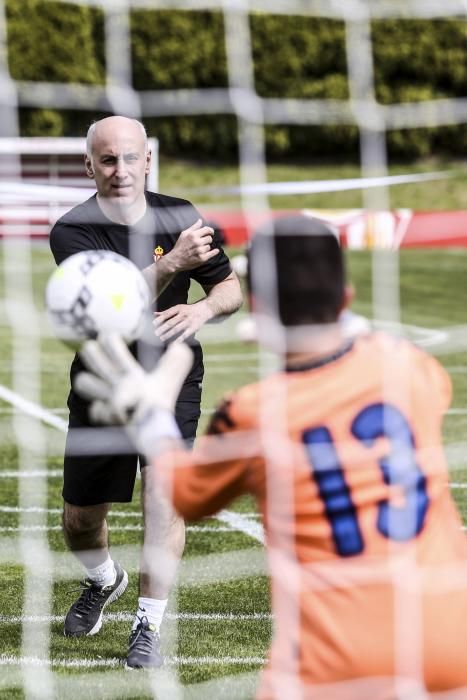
<point>296,271</point>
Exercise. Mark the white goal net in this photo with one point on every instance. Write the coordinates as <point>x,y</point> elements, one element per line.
<point>39,180</point>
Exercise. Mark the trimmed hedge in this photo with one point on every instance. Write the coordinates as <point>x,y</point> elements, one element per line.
<point>293,57</point>
<point>53,42</point>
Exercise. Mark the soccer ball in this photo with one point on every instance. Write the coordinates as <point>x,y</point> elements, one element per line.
<point>97,291</point>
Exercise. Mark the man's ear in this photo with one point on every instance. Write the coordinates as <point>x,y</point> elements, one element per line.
<point>88,167</point>
<point>148,162</point>
<point>348,297</point>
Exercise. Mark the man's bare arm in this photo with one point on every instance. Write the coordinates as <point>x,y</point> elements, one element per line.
<point>183,320</point>
<point>223,298</point>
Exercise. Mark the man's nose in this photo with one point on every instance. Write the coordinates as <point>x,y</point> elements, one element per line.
<point>120,168</point>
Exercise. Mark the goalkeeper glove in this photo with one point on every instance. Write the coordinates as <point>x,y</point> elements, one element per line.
<point>121,392</point>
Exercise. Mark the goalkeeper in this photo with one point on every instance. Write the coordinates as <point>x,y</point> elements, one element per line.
<point>343,452</point>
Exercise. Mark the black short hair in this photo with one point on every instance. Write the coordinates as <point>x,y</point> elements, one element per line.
<point>308,274</point>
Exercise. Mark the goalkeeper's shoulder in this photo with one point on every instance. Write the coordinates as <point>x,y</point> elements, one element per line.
<point>222,420</point>
<point>238,410</point>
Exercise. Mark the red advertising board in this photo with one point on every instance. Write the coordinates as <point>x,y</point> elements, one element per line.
<point>357,228</point>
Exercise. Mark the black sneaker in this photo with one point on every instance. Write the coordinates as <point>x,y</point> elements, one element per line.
<point>145,647</point>
<point>84,618</point>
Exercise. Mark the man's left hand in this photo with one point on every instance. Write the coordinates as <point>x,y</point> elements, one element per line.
<point>181,321</point>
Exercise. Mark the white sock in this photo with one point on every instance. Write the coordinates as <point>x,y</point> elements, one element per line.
<point>104,574</point>
<point>151,608</point>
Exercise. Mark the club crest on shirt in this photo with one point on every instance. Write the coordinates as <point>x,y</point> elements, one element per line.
<point>158,253</point>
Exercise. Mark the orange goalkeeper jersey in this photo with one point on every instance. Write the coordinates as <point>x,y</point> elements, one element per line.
<point>367,557</point>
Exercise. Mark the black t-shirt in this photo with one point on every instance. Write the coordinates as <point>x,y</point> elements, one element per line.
<point>85,227</point>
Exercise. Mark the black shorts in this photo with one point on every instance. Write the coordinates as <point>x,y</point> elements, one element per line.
<point>91,479</point>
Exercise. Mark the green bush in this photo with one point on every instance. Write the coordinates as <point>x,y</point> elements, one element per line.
<point>413,56</point>
<point>46,122</point>
<point>175,49</point>
<point>294,57</point>
<point>299,57</point>
<point>52,41</point>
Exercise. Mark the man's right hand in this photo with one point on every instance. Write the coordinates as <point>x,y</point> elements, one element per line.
<point>192,249</point>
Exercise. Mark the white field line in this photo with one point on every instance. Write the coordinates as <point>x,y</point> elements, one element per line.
<point>32,409</point>
<point>130,616</point>
<point>10,660</point>
<point>32,474</point>
<point>248,527</point>
<point>236,522</point>
<point>12,410</point>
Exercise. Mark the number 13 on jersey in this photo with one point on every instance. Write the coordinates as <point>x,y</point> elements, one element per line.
<point>400,522</point>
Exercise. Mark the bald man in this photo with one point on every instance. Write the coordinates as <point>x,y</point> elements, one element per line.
<point>168,240</point>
